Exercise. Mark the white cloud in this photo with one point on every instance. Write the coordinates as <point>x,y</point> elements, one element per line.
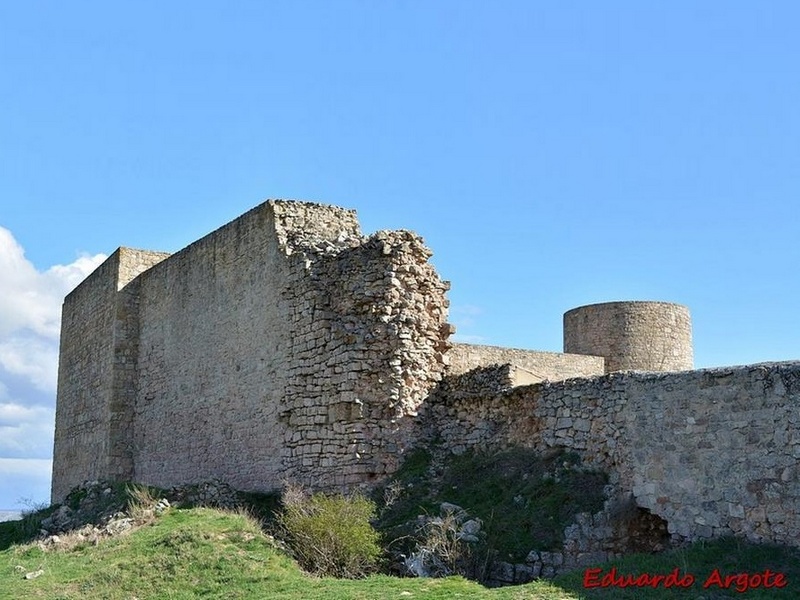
<point>67,277</point>
<point>26,431</point>
<point>31,301</point>
<point>30,320</point>
<point>30,311</point>
<point>15,413</point>
<point>32,357</point>
<point>23,305</point>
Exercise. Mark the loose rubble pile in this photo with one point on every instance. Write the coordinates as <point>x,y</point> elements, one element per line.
<point>445,543</point>
<point>97,510</point>
<point>94,511</point>
<point>214,493</point>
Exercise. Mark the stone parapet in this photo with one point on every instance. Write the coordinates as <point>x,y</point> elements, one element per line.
<point>530,366</point>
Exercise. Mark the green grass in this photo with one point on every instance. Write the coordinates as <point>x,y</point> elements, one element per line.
<point>206,553</point>
<point>203,553</point>
<point>525,502</point>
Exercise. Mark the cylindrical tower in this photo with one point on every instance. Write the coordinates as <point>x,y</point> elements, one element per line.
<point>640,336</point>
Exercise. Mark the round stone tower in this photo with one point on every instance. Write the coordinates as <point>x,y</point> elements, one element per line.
<point>640,336</point>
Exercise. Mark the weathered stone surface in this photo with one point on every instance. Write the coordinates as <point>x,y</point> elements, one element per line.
<point>641,336</point>
<point>706,451</point>
<point>283,345</point>
<point>34,574</point>
<point>525,366</point>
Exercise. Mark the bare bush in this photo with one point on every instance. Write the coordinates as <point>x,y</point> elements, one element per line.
<point>329,534</point>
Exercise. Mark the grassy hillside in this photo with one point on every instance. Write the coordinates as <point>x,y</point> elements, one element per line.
<point>206,553</point>
<point>125,543</point>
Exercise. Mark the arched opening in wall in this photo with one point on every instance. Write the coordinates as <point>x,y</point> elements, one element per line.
<point>639,530</point>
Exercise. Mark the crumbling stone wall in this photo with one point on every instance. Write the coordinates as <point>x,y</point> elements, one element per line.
<point>283,345</point>
<point>368,319</point>
<point>712,452</point>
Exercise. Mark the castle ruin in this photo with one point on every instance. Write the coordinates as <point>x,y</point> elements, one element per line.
<point>287,345</point>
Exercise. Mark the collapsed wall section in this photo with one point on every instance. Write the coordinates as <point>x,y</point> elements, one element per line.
<point>368,318</point>
<point>713,452</point>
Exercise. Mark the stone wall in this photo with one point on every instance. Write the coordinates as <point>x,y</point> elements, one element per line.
<point>214,354</point>
<point>369,319</point>
<point>642,336</point>
<point>284,345</point>
<point>126,352</point>
<point>94,359</point>
<point>713,452</point>
<point>530,366</point>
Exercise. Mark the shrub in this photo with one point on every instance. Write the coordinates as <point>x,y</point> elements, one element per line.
<point>330,534</point>
<point>441,548</point>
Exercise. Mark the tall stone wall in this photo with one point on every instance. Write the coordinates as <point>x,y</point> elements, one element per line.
<point>126,354</point>
<point>214,354</point>
<point>642,336</point>
<point>284,345</point>
<point>713,452</point>
<point>94,360</point>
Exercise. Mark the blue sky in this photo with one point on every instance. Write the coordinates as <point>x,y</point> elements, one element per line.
<point>552,154</point>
